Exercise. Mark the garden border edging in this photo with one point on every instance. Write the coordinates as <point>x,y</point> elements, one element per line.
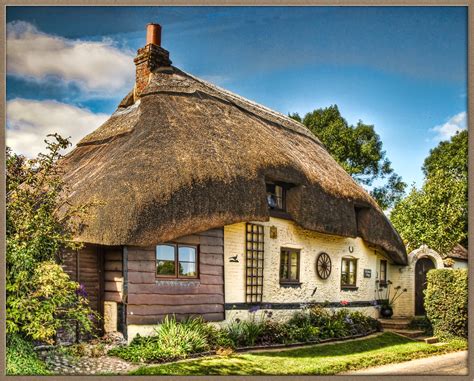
<point>260,348</point>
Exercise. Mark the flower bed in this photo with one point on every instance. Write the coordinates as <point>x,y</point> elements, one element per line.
<point>193,337</point>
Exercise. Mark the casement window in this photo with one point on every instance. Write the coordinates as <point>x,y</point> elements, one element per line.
<point>289,266</point>
<point>383,273</point>
<point>276,196</point>
<point>176,261</point>
<point>254,240</point>
<point>348,273</point>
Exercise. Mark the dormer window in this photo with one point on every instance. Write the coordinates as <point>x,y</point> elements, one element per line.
<point>276,196</point>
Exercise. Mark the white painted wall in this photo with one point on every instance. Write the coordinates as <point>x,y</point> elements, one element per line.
<point>311,244</point>
<point>405,276</point>
<point>459,264</point>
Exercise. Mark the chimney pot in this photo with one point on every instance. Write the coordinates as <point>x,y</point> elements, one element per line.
<point>153,34</point>
<point>149,58</point>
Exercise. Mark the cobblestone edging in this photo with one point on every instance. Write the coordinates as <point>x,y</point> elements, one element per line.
<point>59,363</point>
<point>63,363</point>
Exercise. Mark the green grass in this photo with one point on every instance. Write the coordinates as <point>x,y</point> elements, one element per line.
<point>21,358</point>
<point>323,359</point>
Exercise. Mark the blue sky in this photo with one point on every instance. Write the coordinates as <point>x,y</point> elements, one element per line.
<point>402,69</point>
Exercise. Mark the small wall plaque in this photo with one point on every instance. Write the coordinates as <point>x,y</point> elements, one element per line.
<point>273,232</point>
<point>367,273</point>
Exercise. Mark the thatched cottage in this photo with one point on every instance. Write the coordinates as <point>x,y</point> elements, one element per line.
<point>210,204</point>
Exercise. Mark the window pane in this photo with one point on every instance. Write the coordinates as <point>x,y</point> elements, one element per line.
<point>294,273</point>
<point>165,252</point>
<point>352,278</point>
<point>294,265</point>
<point>187,254</point>
<point>279,196</point>
<point>270,188</point>
<point>187,269</point>
<point>344,266</point>
<point>284,265</point>
<point>165,267</point>
<point>344,279</point>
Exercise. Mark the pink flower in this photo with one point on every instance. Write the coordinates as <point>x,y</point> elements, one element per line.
<point>344,302</point>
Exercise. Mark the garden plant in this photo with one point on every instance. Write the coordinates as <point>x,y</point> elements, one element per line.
<point>174,340</point>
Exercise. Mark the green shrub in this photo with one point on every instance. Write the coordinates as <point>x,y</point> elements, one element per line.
<point>446,298</point>
<point>173,340</point>
<point>245,333</point>
<point>21,359</point>
<point>422,323</point>
<point>51,303</point>
<point>274,333</point>
<point>38,294</point>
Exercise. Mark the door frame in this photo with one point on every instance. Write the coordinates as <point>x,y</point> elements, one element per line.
<point>415,280</point>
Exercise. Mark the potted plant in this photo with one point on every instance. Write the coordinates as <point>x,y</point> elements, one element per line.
<point>385,302</point>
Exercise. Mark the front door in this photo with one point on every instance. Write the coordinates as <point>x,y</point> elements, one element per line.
<point>423,265</point>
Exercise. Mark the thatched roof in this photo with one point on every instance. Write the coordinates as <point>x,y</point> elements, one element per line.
<point>458,252</point>
<point>189,156</point>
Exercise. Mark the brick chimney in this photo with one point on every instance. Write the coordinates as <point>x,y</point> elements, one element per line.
<point>149,58</point>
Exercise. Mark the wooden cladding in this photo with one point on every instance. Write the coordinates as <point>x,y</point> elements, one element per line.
<point>150,298</point>
<point>254,239</point>
<point>84,266</point>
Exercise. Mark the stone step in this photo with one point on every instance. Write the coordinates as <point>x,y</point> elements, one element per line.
<point>411,333</point>
<point>428,340</point>
<point>395,323</point>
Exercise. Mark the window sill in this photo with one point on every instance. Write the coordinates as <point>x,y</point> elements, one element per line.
<point>178,281</point>
<point>349,288</point>
<point>278,213</point>
<point>290,284</point>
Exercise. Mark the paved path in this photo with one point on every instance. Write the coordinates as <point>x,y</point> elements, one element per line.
<point>61,364</point>
<point>448,364</point>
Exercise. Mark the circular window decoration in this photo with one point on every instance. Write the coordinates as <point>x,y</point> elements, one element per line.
<point>323,266</point>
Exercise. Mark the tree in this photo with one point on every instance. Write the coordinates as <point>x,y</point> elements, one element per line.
<point>36,233</point>
<point>358,149</point>
<point>436,215</point>
<point>450,156</point>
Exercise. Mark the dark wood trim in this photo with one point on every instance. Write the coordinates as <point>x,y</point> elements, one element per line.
<point>383,282</point>
<point>352,286</point>
<point>296,305</point>
<point>254,290</point>
<point>280,214</point>
<point>349,288</point>
<point>101,271</point>
<point>289,281</point>
<point>290,284</point>
<point>125,289</point>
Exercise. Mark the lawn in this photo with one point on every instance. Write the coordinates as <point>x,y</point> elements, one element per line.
<point>323,359</point>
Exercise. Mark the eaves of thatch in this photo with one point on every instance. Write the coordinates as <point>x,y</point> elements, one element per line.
<point>188,156</point>
<point>458,252</point>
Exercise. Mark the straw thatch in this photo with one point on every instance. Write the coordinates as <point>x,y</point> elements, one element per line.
<point>458,252</point>
<point>188,156</point>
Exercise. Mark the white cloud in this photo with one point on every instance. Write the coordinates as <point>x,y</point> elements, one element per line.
<point>29,121</point>
<point>96,67</point>
<point>454,124</point>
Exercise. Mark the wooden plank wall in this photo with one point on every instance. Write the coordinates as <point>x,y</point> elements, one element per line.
<point>87,273</point>
<point>113,275</point>
<point>151,298</point>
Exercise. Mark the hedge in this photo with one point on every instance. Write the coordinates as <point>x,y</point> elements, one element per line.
<point>446,302</point>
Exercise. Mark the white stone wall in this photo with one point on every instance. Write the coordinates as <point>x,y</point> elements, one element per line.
<point>459,264</point>
<point>311,244</point>
<point>405,277</point>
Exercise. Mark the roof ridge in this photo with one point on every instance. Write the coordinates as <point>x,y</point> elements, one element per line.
<point>247,104</point>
